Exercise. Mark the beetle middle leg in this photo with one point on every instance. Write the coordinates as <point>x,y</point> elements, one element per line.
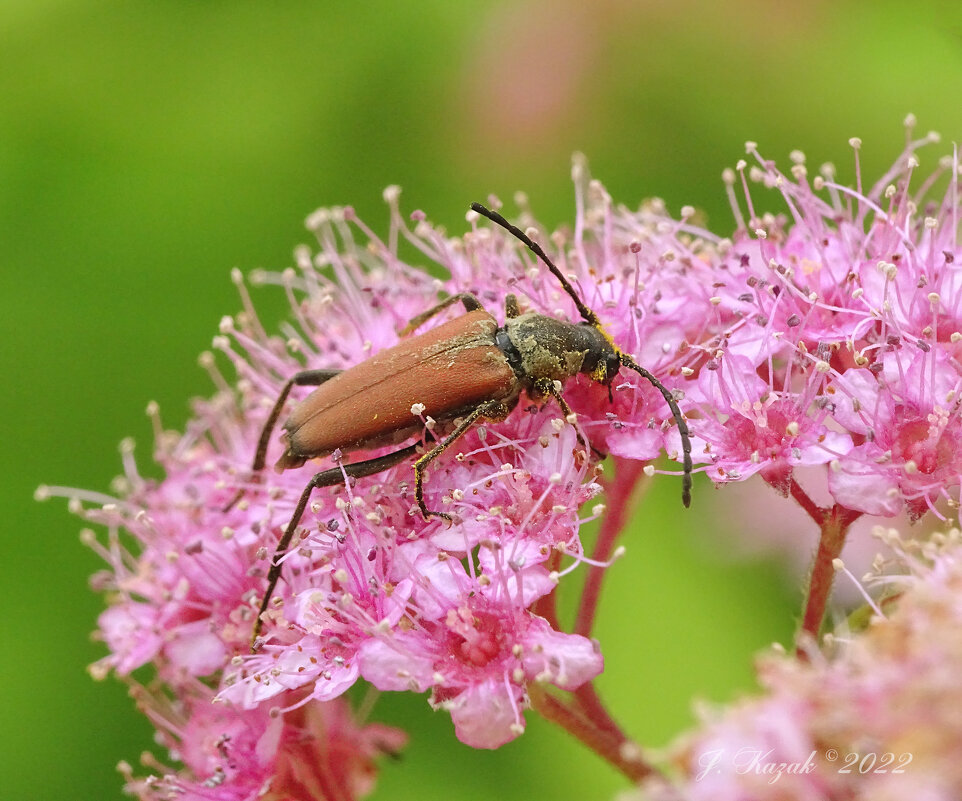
<point>305,378</point>
<point>325,478</point>
<point>545,387</point>
<point>492,410</point>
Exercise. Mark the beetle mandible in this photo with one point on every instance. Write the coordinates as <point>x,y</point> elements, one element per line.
<point>465,370</point>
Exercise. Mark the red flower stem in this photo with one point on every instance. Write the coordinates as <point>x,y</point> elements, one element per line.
<point>618,503</point>
<point>618,751</point>
<point>834,524</point>
<point>594,709</point>
<point>816,512</point>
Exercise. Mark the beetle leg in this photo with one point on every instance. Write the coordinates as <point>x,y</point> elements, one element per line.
<point>495,410</point>
<point>546,386</point>
<point>471,303</point>
<point>326,478</point>
<point>305,378</point>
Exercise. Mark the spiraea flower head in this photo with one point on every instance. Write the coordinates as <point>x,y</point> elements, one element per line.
<point>838,342</point>
<point>312,751</point>
<point>369,589</point>
<point>825,337</point>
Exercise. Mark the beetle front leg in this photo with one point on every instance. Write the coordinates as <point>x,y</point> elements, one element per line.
<point>471,303</point>
<point>326,478</point>
<point>305,378</point>
<point>494,410</point>
<point>546,386</point>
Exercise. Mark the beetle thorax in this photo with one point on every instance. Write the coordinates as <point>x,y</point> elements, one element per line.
<point>546,348</point>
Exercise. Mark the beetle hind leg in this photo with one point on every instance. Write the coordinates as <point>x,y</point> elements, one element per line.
<point>305,378</point>
<point>326,478</point>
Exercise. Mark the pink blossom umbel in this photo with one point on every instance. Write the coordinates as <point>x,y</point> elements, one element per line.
<point>840,346</point>
<point>369,589</point>
<point>824,337</point>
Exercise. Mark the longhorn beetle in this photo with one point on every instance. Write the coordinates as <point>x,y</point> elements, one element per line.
<point>463,371</point>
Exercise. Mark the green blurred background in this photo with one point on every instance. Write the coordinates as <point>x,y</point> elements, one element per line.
<point>146,148</point>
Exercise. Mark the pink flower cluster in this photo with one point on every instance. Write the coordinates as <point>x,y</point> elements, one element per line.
<point>369,589</point>
<point>876,717</point>
<point>826,335</point>
<point>314,751</point>
<point>846,351</point>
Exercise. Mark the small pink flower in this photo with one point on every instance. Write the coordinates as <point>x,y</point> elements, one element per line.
<point>750,426</point>
<point>478,655</point>
<point>908,414</point>
<point>311,753</point>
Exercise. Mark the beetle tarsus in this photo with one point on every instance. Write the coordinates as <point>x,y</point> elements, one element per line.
<point>546,387</point>
<point>491,409</point>
<point>234,501</point>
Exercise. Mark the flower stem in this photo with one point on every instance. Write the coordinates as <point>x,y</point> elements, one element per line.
<point>616,749</point>
<point>816,512</point>
<point>594,709</point>
<point>619,494</point>
<point>585,716</point>
<point>835,523</point>
<point>547,605</point>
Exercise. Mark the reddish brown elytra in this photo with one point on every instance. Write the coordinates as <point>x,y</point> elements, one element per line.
<point>463,371</point>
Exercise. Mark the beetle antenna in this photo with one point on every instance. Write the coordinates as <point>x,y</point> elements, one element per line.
<point>626,360</point>
<point>631,364</point>
<point>588,315</point>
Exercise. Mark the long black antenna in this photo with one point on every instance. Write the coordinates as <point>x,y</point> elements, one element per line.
<point>588,315</point>
<point>626,360</point>
<point>683,431</point>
